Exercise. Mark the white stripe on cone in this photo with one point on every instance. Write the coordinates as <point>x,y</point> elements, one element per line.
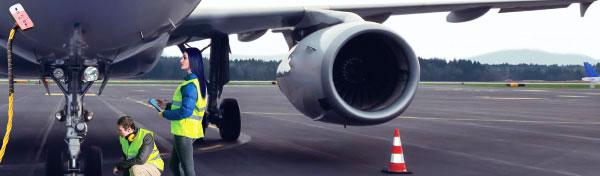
<point>397,158</point>
<point>397,141</point>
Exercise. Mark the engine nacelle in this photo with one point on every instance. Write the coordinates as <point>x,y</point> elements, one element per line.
<point>358,73</point>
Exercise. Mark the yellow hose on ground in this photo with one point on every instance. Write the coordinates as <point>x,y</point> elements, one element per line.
<point>11,93</point>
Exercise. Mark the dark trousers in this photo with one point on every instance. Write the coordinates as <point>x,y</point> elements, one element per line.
<point>182,157</point>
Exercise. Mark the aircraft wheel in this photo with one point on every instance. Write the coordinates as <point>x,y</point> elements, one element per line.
<point>230,125</point>
<point>93,162</point>
<point>55,162</point>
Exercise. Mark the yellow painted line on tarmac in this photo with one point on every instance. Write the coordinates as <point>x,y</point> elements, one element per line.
<point>501,120</point>
<point>60,94</point>
<point>509,98</point>
<point>571,96</point>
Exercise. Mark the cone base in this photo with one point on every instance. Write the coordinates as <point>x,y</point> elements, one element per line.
<point>385,170</point>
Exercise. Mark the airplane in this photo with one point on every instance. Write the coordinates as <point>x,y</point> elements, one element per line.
<point>590,74</point>
<point>344,66</point>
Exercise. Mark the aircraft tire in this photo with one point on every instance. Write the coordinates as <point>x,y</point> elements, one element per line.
<point>93,162</point>
<point>230,125</point>
<point>55,162</point>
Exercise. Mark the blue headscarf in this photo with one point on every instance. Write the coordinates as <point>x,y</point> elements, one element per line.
<point>195,59</point>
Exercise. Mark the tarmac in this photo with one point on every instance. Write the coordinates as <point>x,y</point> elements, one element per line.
<point>447,130</point>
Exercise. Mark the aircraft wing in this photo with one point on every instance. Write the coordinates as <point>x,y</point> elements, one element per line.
<point>254,20</point>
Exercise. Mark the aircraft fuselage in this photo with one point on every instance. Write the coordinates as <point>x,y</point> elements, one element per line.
<point>591,79</point>
<point>111,30</point>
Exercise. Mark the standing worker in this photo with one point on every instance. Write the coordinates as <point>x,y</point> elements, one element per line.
<point>186,112</point>
<point>141,155</point>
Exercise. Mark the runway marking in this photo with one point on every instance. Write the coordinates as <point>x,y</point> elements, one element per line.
<point>571,96</point>
<point>60,94</point>
<point>509,98</point>
<point>466,155</point>
<point>211,147</point>
<point>501,120</point>
<point>593,139</point>
<point>451,119</point>
<point>139,102</point>
<point>450,89</point>
<point>48,128</point>
<point>221,145</point>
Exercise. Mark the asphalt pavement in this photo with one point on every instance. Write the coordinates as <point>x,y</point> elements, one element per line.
<point>448,130</point>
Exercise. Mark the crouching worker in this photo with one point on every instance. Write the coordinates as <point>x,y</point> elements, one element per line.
<point>141,155</point>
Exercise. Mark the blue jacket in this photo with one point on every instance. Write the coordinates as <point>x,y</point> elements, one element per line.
<point>188,103</point>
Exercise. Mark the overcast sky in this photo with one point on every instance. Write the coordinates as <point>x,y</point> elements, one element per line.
<point>559,31</point>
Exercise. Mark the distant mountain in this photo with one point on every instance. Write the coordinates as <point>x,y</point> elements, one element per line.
<point>532,57</point>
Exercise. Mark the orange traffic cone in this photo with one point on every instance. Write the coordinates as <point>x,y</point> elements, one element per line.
<point>397,165</point>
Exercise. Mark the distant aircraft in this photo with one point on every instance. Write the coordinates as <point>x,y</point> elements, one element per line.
<point>344,66</point>
<point>590,74</point>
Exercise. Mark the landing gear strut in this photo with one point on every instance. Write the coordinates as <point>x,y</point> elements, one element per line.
<point>227,115</point>
<point>74,76</point>
<point>71,161</point>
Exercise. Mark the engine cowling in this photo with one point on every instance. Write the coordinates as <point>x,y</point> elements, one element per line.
<point>358,73</point>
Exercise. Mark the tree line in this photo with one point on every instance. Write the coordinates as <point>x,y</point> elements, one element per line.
<point>466,70</point>
<point>435,69</point>
<point>167,68</point>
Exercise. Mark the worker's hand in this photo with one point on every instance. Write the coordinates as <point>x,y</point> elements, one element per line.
<point>160,114</point>
<point>161,103</point>
<point>115,171</point>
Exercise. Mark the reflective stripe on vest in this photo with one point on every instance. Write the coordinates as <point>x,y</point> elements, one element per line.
<point>132,149</point>
<point>190,126</point>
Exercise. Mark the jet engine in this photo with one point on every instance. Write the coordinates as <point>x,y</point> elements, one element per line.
<point>357,73</point>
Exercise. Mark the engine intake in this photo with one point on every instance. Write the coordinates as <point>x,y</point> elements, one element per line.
<point>357,73</point>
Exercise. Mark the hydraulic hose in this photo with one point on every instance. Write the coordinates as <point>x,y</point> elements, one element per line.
<point>11,91</point>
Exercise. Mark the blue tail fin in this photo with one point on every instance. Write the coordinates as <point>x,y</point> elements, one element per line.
<point>589,70</point>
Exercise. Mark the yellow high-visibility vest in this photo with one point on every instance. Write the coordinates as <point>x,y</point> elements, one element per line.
<point>132,150</point>
<point>190,126</point>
